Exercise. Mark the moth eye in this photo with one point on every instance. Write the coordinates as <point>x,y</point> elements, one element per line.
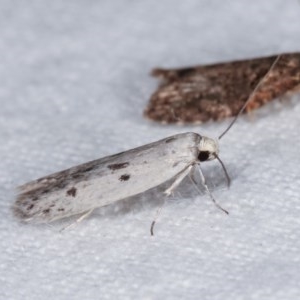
<point>203,155</point>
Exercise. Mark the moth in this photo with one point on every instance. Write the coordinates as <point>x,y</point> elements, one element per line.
<point>81,189</point>
<point>214,92</point>
<point>100,182</point>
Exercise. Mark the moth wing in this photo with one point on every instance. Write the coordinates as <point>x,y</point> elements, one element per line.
<point>103,181</point>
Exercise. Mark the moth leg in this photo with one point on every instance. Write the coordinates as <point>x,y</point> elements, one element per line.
<point>168,192</point>
<point>158,212</point>
<point>192,177</point>
<point>207,189</point>
<point>81,218</point>
<point>177,181</point>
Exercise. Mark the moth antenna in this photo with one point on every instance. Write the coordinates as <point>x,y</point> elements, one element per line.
<point>224,169</point>
<point>250,97</point>
<point>207,190</point>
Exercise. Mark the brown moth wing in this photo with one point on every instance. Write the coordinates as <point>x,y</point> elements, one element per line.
<point>214,92</point>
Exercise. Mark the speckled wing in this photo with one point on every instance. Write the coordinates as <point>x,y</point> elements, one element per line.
<point>214,92</point>
<point>106,180</point>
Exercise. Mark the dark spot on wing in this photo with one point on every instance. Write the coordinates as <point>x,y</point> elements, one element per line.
<point>78,175</point>
<point>46,211</point>
<point>35,198</point>
<point>72,192</point>
<point>60,209</point>
<point>83,170</point>
<point>88,168</point>
<point>30,207</point>
<point>60,185</point>
<point>124,177</point>
<point>118,166</point>
<point>171,139</point>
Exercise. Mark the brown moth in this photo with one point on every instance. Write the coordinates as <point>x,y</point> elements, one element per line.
<point>214,92</point>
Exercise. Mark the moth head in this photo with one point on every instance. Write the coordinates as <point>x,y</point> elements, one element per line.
<point>208,149</point>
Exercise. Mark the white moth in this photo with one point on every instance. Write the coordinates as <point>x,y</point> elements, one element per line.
<point>100,182</point>
<point>81,189</point>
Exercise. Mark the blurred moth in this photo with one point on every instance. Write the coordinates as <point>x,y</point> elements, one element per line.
<point>214,92</point>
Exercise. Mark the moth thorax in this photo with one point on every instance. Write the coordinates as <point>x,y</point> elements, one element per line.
<point>208,149</point>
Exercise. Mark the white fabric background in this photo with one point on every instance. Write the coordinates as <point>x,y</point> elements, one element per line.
<point>73,84</point>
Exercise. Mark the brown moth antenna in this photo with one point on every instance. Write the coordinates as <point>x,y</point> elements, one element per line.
<point>250,97</point>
